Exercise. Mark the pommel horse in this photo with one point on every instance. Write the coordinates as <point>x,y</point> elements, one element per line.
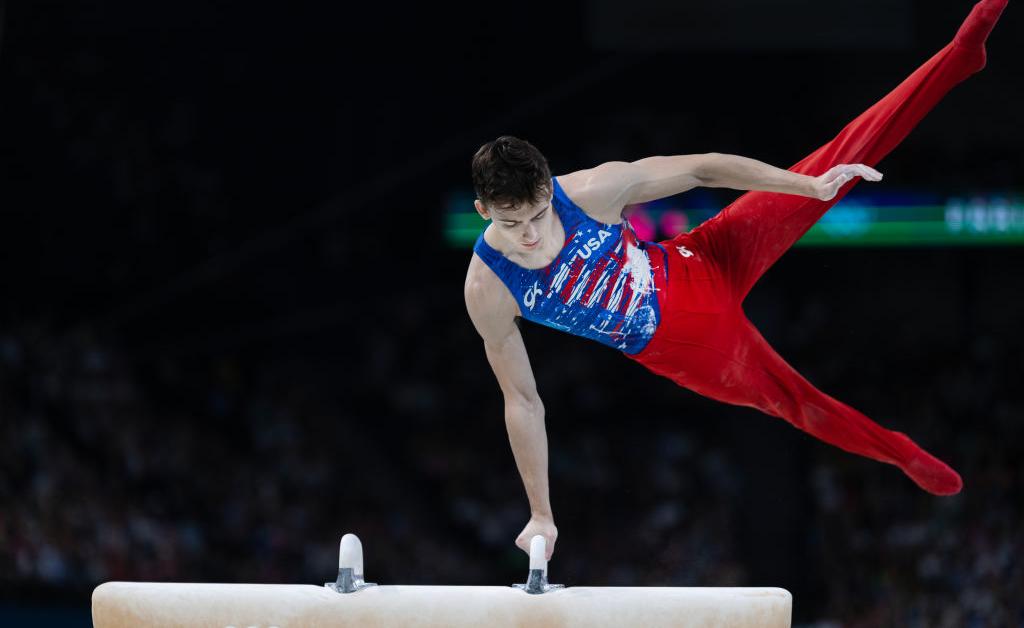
<point>351,601</point>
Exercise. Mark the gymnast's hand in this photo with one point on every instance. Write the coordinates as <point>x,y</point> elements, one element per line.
<point>544,526</point>
<point>825,187</point>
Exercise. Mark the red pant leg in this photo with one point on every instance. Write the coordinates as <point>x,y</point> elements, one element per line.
<point>774,387</point>
<point>749,235</point>
<point>706,344</point>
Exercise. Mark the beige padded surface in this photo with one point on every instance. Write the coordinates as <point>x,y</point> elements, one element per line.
<point>133,604</point>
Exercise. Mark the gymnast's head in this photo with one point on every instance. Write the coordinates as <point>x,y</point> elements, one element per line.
<point>512,182</point>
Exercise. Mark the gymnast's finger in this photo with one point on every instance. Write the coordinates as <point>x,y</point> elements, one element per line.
<point>868,173</point>
<point>848,172</point>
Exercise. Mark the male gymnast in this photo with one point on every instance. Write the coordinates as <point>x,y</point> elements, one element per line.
<point>559,252</point>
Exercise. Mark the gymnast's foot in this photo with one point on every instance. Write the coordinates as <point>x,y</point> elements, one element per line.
<point>930,473</point>
<point>976,28</point>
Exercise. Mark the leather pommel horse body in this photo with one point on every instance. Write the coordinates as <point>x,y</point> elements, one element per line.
<point>352,602</point>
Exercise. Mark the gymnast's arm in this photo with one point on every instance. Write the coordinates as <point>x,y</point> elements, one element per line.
<point>620,183</point>
<point>492,311</point>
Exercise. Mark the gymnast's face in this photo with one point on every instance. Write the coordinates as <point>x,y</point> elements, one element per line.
<point>526,227</point>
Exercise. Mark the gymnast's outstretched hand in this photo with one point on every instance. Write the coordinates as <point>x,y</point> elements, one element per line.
<point>827,185</point>
<point>544,526</point>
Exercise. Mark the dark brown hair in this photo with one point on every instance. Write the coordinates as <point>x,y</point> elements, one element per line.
<point>509,172</point>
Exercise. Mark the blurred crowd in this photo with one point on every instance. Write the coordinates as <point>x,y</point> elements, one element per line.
<point>117,466</point>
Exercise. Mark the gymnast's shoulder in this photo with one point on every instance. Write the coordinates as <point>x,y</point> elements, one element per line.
<point>602,192</point>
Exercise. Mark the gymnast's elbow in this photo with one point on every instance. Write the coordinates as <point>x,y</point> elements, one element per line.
<point>707,168</point>
<point>524,406</point>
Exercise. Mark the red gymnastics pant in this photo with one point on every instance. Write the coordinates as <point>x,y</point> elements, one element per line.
<point>704,341</point>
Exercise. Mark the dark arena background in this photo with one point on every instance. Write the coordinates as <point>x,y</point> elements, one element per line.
<point>232,325</point>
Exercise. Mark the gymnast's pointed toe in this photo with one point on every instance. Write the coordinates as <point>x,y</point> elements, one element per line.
<point>979,23</point>
<point>933,475</point>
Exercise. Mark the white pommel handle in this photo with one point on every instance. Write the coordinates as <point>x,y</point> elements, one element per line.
<point>351,554</point>
<point>538,547</point>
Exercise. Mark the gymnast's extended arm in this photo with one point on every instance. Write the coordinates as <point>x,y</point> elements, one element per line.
<point>492,311</point>
<point>622,183</point>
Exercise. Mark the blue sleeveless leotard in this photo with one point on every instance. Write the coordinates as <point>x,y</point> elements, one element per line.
<point>601,285</point>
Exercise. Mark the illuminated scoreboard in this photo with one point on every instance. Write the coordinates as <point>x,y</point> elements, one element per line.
<point>868,219</point>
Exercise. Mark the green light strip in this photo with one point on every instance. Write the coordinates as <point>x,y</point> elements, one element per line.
<point>896,225</point>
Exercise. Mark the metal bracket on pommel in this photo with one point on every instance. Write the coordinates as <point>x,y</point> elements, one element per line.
<point>350,567</point>
<point>537,581</point>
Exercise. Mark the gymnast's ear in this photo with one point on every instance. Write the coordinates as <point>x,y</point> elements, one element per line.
<point>481,209</point>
